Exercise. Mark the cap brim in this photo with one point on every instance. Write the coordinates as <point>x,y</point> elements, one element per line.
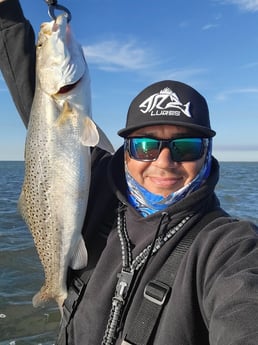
<point>204,131</point>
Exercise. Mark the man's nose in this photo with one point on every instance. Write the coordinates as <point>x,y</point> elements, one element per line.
<point>164,159</point>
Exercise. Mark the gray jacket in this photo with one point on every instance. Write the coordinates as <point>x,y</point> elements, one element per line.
<point>214,298</point>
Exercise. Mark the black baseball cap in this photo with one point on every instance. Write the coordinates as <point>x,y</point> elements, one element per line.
<point>169,102</point>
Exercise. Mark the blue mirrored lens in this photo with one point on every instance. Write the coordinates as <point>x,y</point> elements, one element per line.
<point>181,149</point>
<point>186,149</point>
<point>144,148</point>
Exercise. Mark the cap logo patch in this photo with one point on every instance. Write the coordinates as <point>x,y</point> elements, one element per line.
<point>166,102</point>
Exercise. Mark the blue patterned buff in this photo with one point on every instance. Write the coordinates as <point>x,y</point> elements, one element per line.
<point>147,203</point>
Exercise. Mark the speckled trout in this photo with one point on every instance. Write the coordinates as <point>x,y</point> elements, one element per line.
<point>60,133</point>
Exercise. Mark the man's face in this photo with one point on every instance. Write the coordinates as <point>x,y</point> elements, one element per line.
<point>163,176</point>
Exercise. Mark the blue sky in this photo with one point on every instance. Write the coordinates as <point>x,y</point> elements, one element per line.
<point>210,44</point>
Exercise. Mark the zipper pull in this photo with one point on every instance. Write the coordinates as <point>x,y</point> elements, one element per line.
<point>124,282</point>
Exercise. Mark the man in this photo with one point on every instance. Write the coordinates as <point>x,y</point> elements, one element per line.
<point>144,201</point>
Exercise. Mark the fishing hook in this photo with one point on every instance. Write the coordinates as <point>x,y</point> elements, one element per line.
<point>52,6</point>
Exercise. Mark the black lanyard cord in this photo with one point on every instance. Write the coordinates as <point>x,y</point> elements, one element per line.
<point>128,281</point>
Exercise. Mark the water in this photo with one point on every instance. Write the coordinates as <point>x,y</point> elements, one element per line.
<point>21,274</point>
<point>238,189</point>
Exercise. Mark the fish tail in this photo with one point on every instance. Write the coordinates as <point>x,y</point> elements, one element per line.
<point>43,296</point>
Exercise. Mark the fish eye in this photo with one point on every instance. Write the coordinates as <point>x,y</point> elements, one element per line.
<point>41,40</point>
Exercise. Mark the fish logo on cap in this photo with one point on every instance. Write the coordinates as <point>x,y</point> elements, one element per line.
<point>164,103</point>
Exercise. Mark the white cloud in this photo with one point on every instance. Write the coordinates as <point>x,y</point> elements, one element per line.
<point>184,24</point>
<point>185,74</point>
<point>209,26</point>
<point>113,55</point>
<point>235,147</point>
<point>251,65</point>
<point>225,94</point>
<point>246,5</point>
<point>235,156</point>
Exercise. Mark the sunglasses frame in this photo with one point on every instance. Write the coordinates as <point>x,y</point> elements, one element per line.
<point>165,143</point>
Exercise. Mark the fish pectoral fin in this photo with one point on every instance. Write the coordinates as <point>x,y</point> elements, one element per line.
<point>89,133</point>
<point>92,135</point>
<point>80,258</point>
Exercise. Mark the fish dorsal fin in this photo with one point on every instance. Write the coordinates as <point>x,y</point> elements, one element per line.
<point>79,259</point>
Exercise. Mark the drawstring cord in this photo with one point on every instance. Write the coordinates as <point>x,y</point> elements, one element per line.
<point>124,280</point>
<point>124,238</point>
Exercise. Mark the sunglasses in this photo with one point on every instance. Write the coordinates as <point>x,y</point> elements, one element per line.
<point>181,149</point>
